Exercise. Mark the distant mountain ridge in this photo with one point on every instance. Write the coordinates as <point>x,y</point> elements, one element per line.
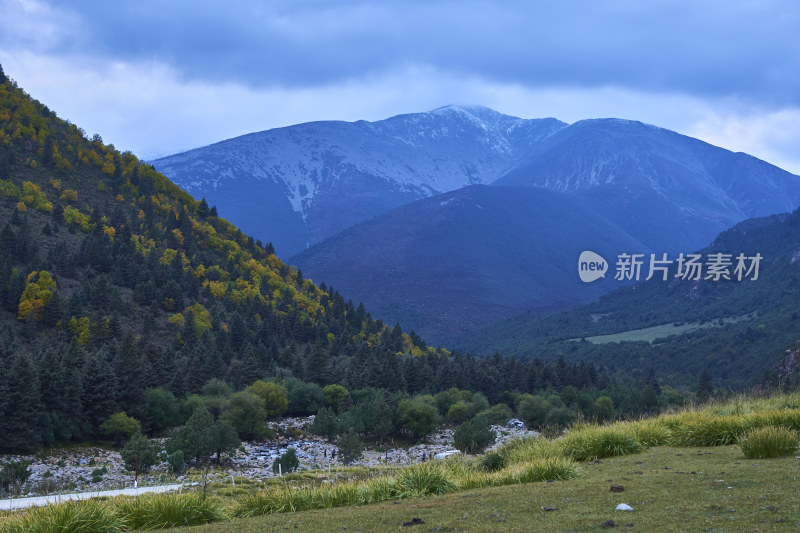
<point>338,188</point>
<point>711,186</point>
<point>746,325</point>
<point>464,259</point>
<point>304,183</point>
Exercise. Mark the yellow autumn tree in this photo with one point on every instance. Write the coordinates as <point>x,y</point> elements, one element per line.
<point>201,316</point>
<point>108,167</point>
<point>69,195</point>
<point>36,295</point>
<point>74,216</point>
<point>217,289</point>
<point>169,255</point>
<point>58,159</point>
<point>34,196</point>
<point>80,328</point>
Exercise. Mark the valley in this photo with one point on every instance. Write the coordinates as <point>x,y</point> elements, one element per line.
<point>387,266</point>
<point>140,326</point>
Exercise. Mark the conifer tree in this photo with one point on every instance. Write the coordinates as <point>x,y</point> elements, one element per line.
<point>99,390</point>
<point>350,447</point>
<point>21,425</point>
<point>129,370</point>
<point>70,408</point>
<point>4,403</point>
<point>704,387</point>
<point>249,371</point>
<point>317,365</point>
<point>325,424</point>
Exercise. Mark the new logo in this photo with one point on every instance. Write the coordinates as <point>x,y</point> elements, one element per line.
<point>591,266</point>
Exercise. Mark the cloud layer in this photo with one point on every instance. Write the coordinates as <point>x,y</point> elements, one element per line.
<point>158,77</point>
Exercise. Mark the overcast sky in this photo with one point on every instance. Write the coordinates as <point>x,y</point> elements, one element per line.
<point>159,77</point>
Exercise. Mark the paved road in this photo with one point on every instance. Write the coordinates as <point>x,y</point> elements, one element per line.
<point>24,503</point>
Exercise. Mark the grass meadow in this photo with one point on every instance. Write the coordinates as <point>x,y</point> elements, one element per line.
<point>722,467</point>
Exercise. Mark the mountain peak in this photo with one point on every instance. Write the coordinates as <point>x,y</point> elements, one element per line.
<point>476,113</point>
<point>471,109</point>
<point>327,176</point>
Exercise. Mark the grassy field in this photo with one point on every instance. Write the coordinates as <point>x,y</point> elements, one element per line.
<point>661,331</point>
<point>670,489</point>
<point>724,467</point>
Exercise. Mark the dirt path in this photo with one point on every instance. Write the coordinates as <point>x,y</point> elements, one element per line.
<point>24,503</point>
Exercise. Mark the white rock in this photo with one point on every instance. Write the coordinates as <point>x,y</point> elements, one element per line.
<point>624,507</point>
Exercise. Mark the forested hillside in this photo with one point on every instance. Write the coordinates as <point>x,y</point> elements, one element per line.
<point>677,329</point>
<point>115,280</point>
<point>118,290</point>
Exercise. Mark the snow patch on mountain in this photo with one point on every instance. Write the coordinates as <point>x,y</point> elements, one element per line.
<point>424,153</point>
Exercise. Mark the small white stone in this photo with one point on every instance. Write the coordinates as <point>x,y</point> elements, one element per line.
<point>624,507</point>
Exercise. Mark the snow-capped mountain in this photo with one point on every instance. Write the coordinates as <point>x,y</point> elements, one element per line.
<point>674,191</point>
<point>693,174</point>
<point>298,185</point>
<point>390,212</point>
<point>647,190</point>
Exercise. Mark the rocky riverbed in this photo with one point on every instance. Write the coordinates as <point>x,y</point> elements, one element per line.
<point>94,469</point>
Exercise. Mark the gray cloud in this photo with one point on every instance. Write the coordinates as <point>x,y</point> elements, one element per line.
<point>160,77</point>
<point>748,50</point>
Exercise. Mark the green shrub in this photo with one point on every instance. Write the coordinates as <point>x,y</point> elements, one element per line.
<point>788,418</point>
<point>378,489</point>
<point>120,426</point>
<point>265,502</point>
<point>139,455</point>
<point>98,473</point>
<point>473,436</point>
<point>14,473</point>
<point>592,442</point>
<point>177,463</point>
<point>560,417</point>
<point>651,432</point>
<point>340,495</point>
<point>160,511</point>
<point>465,472</point>
<point>492,462</point>
<point>288,462</point>
<point>769,441</point>
<point>520,450</point>
<point>603,408</point>
<point>542,469</point>
<point>458,412</point>
<point>421,480</point>
<point>350,447</point>
<point>419,415</point>
<point>85,516</point>
<point>326,424</point>
<point>287,499</point>
<point>533,410</point>
<point>498,414</point>
<point>704,429</point>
